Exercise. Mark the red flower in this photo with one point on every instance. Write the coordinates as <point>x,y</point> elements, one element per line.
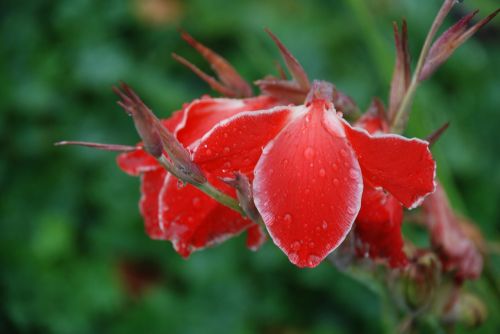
<point>457,252</point>
<point>309,167</point>
<point>183,214</point>
<point>378,224</point>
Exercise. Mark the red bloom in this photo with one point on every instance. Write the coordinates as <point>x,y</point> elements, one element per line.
<point>183,214</point>
<point>457,252</point>
<point>378,224</point>
<point>309,167</point>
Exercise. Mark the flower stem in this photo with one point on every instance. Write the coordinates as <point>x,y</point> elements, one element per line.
<point>205,187</point>
<point>398,121</point>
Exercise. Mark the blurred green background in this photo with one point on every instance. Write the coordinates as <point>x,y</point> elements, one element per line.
<point>73,254</point>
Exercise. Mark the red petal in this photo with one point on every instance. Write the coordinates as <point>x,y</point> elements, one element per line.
<point>193,220</point>
<point>255,237</point>
<point>201,115</point>
<point>137,162</point>
<point>236,144</point>
<point>308,186</point>
<point>378,225</point>
<point>402,166</point>
<point>151,184</point>
<point>374,119</point>
<point>174,120</point>
<point>456,250</point>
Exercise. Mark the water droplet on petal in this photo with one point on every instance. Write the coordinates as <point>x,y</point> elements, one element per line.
<point>335,166</point>
<point>336,181</point>
<point>313,260</point>
<point>227,149</point>
<point>343,152</point>
<point>287,218</point>
<point>309,153</point>
<point>295,245</point>
<point>226,165</point>
<point>324,224</point>
<point>196,202</point>
<point>322,172</point>
<point>208,152</point>
<point>294,258</point>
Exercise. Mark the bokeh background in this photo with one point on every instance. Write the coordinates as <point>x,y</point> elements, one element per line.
<point>74,257</point>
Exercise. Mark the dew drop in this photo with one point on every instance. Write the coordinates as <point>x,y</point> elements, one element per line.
<point>227,149</point>
<point>225,135</point>
<point>335,166</point>
<point>311,244</point>
<point>226,164</point>
<point>294,258</point>
<point>343,152</point>
<point>180,184</point>
<point>324,224</point>
<point>336,181</point>
<point>196,202</point>
<point>322,172</point>
<point>246,161</point>
<point>287,217</point>
<point>309,153</point>
<point>208,151</point>
<point>313,260</point>
<point>295,246</point>
<point>285,162</point>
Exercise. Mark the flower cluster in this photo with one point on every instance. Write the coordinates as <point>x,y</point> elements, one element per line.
<point>287,160</point>
<point>301,162</point>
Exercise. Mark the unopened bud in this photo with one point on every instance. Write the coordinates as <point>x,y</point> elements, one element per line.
<point>157,138</point>
<point>245,195</point>
<point>420,281</point>
<point>468,310</point>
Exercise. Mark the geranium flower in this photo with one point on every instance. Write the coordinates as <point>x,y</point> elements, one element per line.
<point>182,213</point>
<point>309,166</point>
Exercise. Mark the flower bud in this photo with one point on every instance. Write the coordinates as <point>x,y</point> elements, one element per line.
<point>244,194</point>
<point>420,280</point>
<point>156,138</point>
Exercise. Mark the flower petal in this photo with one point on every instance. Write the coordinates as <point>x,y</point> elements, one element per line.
<point>308,187</point>
<point>255,237</point>
<point>151,184</point>
<point>201,115</point>
<point>193,220</point>
<point>404,167</point>
<point>456,249</point>
<point>137,162</point>
<point>378,226</point>
<point>236,144</point>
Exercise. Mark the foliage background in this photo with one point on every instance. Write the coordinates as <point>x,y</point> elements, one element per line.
<point>73,254</point>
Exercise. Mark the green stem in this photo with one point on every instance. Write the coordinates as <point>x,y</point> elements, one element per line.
<point>206,187</point>
<point>398,123</point>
